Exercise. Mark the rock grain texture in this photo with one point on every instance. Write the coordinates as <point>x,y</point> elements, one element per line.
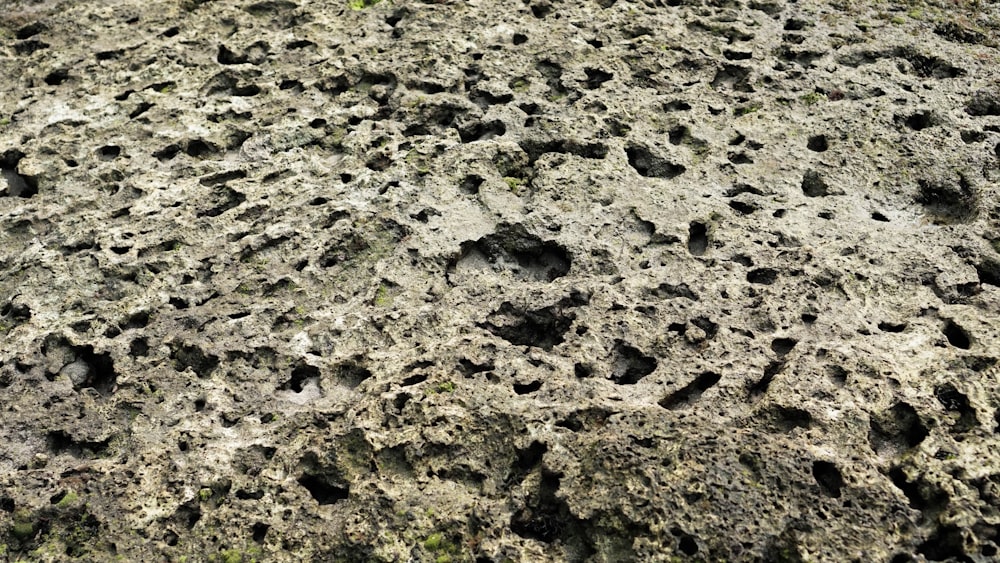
<point>483,281</point>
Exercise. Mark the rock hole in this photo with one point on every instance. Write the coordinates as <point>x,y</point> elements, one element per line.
<point>896,430</point>
<point>957,402</point>
<point>989,272</point>
<point>519,39</point>
<point>687,545</point>
<point>471,184</point>
<point>919,121</point>
<point>817,143</point>
<point>762,276</point>
<point>191,356</point>
<point>541,10</point>
<point>813,184</point>
<point>651,165</point>
<point>524,389</point>
<point>796,24</point>
<point>109,152</point>
<point>542,328</point>
<point>528,459</point>
<point>301,375</point>
<point>57,77</point>
<point>30,30</point>
<point>323,490</point>
<point>886,326</point>
<point>760,386</point>
<point>924,496</point>
<point>222,178</point>
<point>482,131</point>
<point>782,346</point>
<point>61,442</point>
<point>828,477</point>
<point>957,336</point>
<point>11,182</point>
<point>545,517</point>
<point>200,149</point>
<point>351,373</point>
<point>513,249</point>
<point>742,207</point>
<point>139,347</point>
<point>595,78</point>
<point>676,105</point>
<point>697,239</point>
<point>947,543</point>
<point>167,153</point>
<point>948,201</point>
<point>414,379</point>
<point>629,365</point>
<point>879,217</point>
<point>690,392</point>
<point>259,531</point>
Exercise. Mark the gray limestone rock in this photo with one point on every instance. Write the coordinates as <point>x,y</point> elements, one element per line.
<point>482,281</point>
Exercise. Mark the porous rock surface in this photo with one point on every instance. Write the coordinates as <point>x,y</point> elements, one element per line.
<point>491,281</point>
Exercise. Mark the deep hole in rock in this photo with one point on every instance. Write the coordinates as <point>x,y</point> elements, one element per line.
<point>818,143</point>
<point>697,239</point>
<point>191,356</point>
<point>742,207</point>
<point>545,517</point>
<point>470,184</point>
<point>198,148</point>
<point>61,442</point>
<point>651,165</point>
<point>923,495</point>
<point>813,184</point>
<point>596,77</point>
<point>919,121</point>
<point>512,248</point>
<point>629,365</point>
<point>11,182</point>
<point>667,290</point>
<point>482,131</point>
<point>351,373</point>
<point>782,346</point>
<point>301,374</point>
<point>945,544</point>
<point>828,477</point>
<point>954,400</point>
<point>30,30</point>
<point>886,326</point>
<point>259,531</point>
<point>542,328</point>
<point>528,458</point>
<point>57,77</point>
<point>957,336</point>
<point>763,276</point>
<point>760,386</point>
<point>109,152</point>
<point>989,272</point>
<point>536,149</point>
<point>690,392</point>
<point>676,105</point>
<point>526,388</point>
<point>323,489</point>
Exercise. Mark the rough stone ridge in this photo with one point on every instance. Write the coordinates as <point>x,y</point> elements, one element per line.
<point>483,281</point>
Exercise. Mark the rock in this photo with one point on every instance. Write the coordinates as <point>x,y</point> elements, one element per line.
<point>605,280</point>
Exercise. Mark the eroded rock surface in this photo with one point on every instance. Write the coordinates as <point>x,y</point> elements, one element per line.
<point>540,280</point>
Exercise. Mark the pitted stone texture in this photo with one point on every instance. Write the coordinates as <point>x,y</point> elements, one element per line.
<point>483,281</point>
